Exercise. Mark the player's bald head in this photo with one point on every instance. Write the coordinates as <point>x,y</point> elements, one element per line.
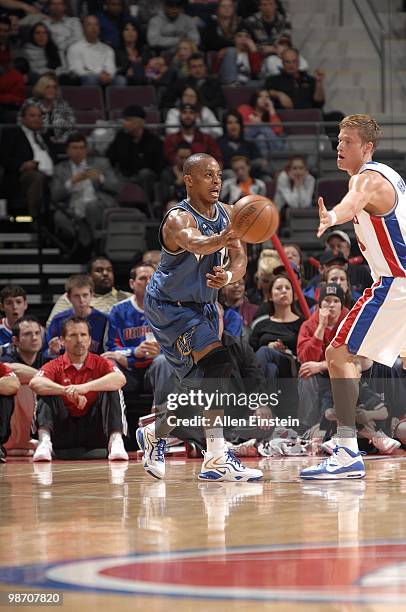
<point>196,162</point>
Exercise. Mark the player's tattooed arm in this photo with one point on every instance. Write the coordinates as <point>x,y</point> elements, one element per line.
<point>180,232</point>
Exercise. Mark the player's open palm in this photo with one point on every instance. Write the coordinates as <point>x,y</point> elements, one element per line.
<point>325,218</point>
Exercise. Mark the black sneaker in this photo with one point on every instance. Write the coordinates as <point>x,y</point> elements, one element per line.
<point>3,454</point>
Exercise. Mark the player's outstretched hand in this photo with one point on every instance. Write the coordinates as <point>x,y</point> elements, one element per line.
<point>325,218</point>
<point>218,279</point>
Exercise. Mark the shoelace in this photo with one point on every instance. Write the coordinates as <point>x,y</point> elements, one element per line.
<point>160,450</point>
<point>231,457</point>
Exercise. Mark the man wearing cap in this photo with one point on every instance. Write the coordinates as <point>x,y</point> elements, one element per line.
<point>136,152</point>
<point>358,274</point>
<point>314,337</point>
<point>198,141</point>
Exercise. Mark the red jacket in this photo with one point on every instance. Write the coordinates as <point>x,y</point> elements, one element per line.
<point>202,143</point>
<point>12,88</point>
<point>310,348</point>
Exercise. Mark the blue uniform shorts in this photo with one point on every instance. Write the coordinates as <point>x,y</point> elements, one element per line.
<point>181,328</point>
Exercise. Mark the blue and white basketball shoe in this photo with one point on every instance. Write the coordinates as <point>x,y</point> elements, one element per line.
<point>226,467</point>
<point>343,463</point>
<point>154,451</point>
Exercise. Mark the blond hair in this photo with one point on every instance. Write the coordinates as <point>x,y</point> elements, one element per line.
<point>40,86</point>
<point>367,128</point>
<point>268,261</point>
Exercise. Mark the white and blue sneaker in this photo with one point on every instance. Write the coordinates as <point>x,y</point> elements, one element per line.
<point>154,451</point>
<point>343,463</point>
<point>226,467</point>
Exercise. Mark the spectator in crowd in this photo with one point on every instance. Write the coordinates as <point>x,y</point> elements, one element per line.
<point>359,275</point>
<point>314,337</point>
<point>130,342</point>
<point>219,32</point>
<point>9,385</point>
<point>274,336</point>
<point>267,25</point>
<point>206,121</point>
<point>65,30</point>
<point>146,9</point>
<point>179,61</point>
<point>58,116</point>
<point>166,29</point>
<point>199,142</point>
<point>295,185</point>
<point>267,262</point>
<point>111,21</point>
<point>339,276</point>
<point>41,52</point>
<point>293,88</point>
<point>136,152</point>
<point>106,295</point>
<point>82,188</point>
<point>272,65</point>
<point>242,184</point>
<point>79,403</point>
<point>13,89</point>
<point>25,359</point>
<point>13,300</point>
<point>158,73</point>
<point>233,142</point>
<point>209,87</point>
<point>129,59</point>
<point>152,257</point>
<point>258,112</point>
<point>241,64</point>
<point>80,292</point>
<point>26,159</point>
<point>235,302</point>
<point>172,185</point>
<point>294,254</point>
<point>92,60</point>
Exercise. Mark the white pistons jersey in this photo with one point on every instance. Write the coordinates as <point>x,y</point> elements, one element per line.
<point>382,239</point>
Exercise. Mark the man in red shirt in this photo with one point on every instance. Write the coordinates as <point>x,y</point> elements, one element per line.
<point>9,385</point>
<point>79,403</point>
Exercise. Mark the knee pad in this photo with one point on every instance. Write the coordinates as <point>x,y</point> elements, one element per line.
<point>216,364</point>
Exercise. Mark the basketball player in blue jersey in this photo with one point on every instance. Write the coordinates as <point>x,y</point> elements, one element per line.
<point>200,255</point>
<point>376,325</point>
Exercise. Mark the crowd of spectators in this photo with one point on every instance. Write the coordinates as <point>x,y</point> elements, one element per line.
<point>188,52</point>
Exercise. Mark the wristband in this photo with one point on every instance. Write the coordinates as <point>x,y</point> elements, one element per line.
<point>333,217</point>
<point>229,276</point>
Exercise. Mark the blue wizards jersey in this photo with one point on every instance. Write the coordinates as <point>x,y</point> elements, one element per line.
<point>181,276</point>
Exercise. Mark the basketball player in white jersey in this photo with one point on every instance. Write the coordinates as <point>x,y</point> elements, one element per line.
<point>376,325</point>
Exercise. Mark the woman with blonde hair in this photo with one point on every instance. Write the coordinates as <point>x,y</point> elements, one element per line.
<point>58,117</point>
<point>267,262</point>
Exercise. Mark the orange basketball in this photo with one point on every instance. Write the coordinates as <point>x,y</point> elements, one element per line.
<point>255,218</point>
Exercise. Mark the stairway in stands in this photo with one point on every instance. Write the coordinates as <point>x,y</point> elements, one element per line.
<point>41,271</point>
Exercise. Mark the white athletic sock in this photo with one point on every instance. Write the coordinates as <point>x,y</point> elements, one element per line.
<point>44,434</point>
<point>215,441</point>
<point>351,443</point>
<point>114,436</point>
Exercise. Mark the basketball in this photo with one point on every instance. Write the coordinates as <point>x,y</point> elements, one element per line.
<point>255,218</point>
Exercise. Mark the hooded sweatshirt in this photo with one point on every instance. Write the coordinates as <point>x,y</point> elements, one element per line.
<point>310,348</point>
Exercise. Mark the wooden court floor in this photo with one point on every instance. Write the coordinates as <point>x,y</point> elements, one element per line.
<point>110,538</point>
